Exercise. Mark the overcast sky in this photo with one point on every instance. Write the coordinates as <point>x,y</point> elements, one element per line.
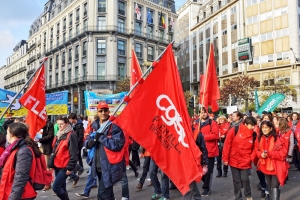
<point>16,16</point>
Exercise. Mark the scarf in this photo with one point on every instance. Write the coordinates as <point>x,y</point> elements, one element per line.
<point>63,132</point>
<point>294,122</point>
<point>232,124</point>
<point>7,152</point>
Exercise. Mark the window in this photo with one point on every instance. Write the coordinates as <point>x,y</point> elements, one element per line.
<point>85,9</point>
<point>280,11</point>
<point>76,52</point>
<point>138,28</point>
<point>85,25</point>
<point>121,8</point>
<point>56,78</point>
<point>63,59</point>
<point>160,21</point>
<point>267,36</point>
<point>101,46</point>
<point>252,20</point>
<point>285,32</point>
<point>223,16</point>
<point>121,25</point>
<point>51,33</point>
<point>270,58</point>
<point>63,76</point>
<point>251,2</point>
<point>225,68</point>
<point>121,70</point>
<point>138,50</point>
<point>150,53</point>
<point>76,73</point>
<point>233,27</point>
<point>77,29</point>
<point>69,74</point>
<point>284,80</point>
<point>279,56</point>
<point>255,39</point>
<point>71,20</point>
<point>121,47</point>
<point>57,28</point>
<point>59,8</point>
<point>285,55</point>
<point>170,37</point>
<point>57,40</point>
<point>140,14</point>
<point>233,10</point>
<point>50,80</point>
<point>150,32</point>
<point>77,14</point>
<point>224,32</point>
<point>161,34</point>
<point>84,47</point>
<point>101,5</point>
<point>50,64</point>
<point>84,69</point>
<point>256,60</point>
<point>64,24</point>
<point>101,22</point>
<point>70,34</point>
<point>70,55</point>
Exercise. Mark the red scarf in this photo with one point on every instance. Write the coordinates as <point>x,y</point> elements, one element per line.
<point>267,143</point>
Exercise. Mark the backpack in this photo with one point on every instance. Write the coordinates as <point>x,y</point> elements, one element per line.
<point>42,176</point>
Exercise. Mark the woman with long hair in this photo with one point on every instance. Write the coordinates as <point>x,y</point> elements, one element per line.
<point>64,156</point>
<point>287,134</point>
<point>271,153</point>
<point>16,162</point>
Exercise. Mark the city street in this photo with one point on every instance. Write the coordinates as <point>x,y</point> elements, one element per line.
<point>222,188</point>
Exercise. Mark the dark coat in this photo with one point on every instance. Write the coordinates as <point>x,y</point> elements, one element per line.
<point>79,130</point>
<point>23,165</point>
<point>201,144</point>
<point>115,142</point>
<point>2,140</point>
<point>47,138</point>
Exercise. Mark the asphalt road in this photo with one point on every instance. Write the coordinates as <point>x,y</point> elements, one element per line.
<point>222,188</point>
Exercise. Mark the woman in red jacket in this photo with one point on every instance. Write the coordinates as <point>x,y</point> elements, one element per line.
<point>17,161</point>
<point>287,134</point>
<point>272,153</point>
<point>238,153</point>
<point>64,156</point>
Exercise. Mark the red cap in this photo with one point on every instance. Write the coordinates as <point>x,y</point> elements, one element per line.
<point>102,105</point>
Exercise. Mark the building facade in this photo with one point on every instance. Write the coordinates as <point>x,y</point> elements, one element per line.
<point>88,42</point>
<point>275,40</point>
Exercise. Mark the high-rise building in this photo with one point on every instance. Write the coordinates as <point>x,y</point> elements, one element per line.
<point>273,26</point>
<point>88,42</point>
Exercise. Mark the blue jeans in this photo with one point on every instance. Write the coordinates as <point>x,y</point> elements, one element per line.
<point>90,183</point>
<point>104,193</point>
<point>164,189</point>
<point>59,185</point>
<point>124,183</point>
<point>146,165</point>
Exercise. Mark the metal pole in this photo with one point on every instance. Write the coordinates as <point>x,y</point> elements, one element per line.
<point>22,89</point>
<point>134,86</point>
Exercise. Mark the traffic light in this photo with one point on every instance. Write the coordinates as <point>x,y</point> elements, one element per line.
<point>191,102</point>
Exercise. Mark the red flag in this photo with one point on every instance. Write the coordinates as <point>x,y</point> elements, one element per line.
<point>136,72</point>
<point>209,89</point>
<point>34,99</point>
<point>157,118</point>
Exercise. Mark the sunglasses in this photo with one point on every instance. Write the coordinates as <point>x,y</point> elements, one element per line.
<point>104,110</point>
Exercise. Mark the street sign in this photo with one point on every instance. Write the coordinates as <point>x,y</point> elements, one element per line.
<point>244,50</point>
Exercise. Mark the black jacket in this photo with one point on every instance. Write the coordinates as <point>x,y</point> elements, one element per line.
<point>201,144</point>
<point>79,130</point>
<point>2,140</point>
<point>23,164</point>
<point>47,138</point>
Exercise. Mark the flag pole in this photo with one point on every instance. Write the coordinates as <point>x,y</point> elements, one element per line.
<point>134,86</point>
<point>22,88</point>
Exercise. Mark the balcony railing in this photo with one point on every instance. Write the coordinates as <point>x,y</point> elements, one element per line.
<point>85,79</point>
<point>29,73</point>
<point>32,47</point>
<point>22,69</point>
<point>30,60</point>
<point>101,9</point>
<point>19,82</point>
<point>121,12</point>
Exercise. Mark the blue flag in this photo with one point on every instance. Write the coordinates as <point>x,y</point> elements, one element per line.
<point>149,17</point>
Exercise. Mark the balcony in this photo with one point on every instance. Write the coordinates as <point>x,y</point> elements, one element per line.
<point>30,60</point>
<point>22,69</point>
<point>150,57</point>
<point>29,73</point>
<point>82,79</point>
<point>32,47</point>
<point>38,55</point>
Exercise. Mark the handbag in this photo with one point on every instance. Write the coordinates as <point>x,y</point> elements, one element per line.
<point>52,156</point>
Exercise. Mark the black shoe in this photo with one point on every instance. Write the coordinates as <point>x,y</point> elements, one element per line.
<point>80,172</point>
<point>84,196</point>
<point>225,174</point>
<point>206,193</point>
<point>136,174</point>
<point>219,174</point>
<point>263,194</point>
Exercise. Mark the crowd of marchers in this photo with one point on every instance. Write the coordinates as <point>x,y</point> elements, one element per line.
<point>268,142</point>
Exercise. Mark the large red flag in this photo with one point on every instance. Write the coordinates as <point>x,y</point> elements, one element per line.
<point>209,89</point>
<point>157,118</point>
<point>136,72</point>
<point>34,99</point>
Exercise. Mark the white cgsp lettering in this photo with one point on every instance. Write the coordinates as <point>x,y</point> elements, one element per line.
<point>176,120</point>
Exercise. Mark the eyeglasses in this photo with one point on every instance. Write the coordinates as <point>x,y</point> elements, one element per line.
<point>104,110</point>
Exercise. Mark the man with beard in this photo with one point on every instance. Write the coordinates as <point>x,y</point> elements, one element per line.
<point>210,131</point>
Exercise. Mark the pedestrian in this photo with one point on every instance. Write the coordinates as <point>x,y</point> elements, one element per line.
<point>135,154</point>
<point>238,153</point>
<point>210,130</point>
<point>287,134</point>
<point>46,141</point>
<point>146,166</point>
<point>16,162</point>
<point>194,190</point>
<point>272,153</point>
<point>108,142</point>
<point>295,125</point>
<point>223,130</point>
<point>64,156</point>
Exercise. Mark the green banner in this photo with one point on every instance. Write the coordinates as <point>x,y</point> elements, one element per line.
<point>271,103</point>
<point>256,101</point>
